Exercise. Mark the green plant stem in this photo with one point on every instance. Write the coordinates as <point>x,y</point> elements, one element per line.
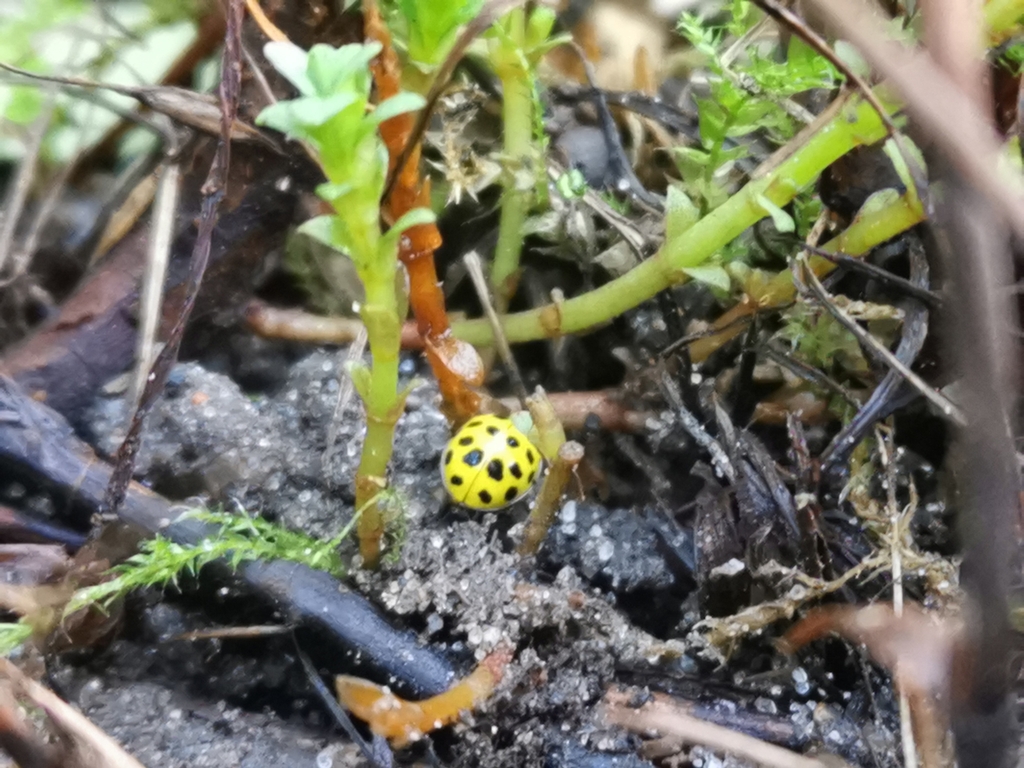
<point>855,124</point>
<point>517,115</point>
<point>383,406</point>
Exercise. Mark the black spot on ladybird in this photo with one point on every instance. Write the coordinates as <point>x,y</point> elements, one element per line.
<point>517,473</point>
<point>474,423</point>
<point>467,440</point>
<point>492,430</point>
<point>511,493</point>
<point>529,456</point>
<point>456,480</point>
<point>473,458</point>
<point>485,497</point>
<point>448,458</point>
<point>495,470</point>
<point>530,478</point>
<point>513,443</point>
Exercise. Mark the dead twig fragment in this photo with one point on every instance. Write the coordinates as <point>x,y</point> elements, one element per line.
<point>195,110</point>
<point>86,746</point>
<point>663,716</point>
<point>923,653</point>
<point>875,348</point>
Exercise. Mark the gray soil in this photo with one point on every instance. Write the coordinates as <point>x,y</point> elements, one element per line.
<point>455,580</point>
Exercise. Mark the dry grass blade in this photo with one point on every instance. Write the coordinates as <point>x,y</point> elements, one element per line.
<point>942,109</point>
<point>663,716</point>
<point>476,274</point>
<point>89,747</point>
<point>196,110</point>
<point>18,192</point>
<point>161,234</point>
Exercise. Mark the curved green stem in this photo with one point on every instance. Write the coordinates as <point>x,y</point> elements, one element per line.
<point>854,124</point>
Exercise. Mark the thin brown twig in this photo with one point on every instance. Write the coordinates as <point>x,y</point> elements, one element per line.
<point>931,298</point>
<point>214,191</point>
<point>874,347</point>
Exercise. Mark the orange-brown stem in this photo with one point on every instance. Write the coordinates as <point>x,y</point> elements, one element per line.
<point>456,364</point>
<point>403,721</point>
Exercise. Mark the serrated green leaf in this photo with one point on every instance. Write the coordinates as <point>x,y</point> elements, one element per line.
<point>714,276</point>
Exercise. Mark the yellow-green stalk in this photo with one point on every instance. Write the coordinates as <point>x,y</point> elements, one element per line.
<point>331,116</point>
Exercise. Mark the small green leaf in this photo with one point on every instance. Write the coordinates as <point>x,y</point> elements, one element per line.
<point>332,70</point>
<point>397,105</point>
<point>902,152</point>
<point>680,212</point>
<point>413,218</point>
<point>571,185</point>
<point>299,116</point>
<point>714,276</point>
<point>321,229</point>
<point>878,201</point>
<point>362,380</point>
<point>330,191</point>
<point>783,221</point>
<point>13,636</point>
<point>291,62</point>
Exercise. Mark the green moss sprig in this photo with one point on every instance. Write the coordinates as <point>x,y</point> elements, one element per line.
<point>238,538</point>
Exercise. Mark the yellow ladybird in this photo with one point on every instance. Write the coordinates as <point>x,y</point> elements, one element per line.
<point>489,463</point>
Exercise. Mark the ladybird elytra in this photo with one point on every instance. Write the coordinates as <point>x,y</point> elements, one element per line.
<point>489,463</point>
